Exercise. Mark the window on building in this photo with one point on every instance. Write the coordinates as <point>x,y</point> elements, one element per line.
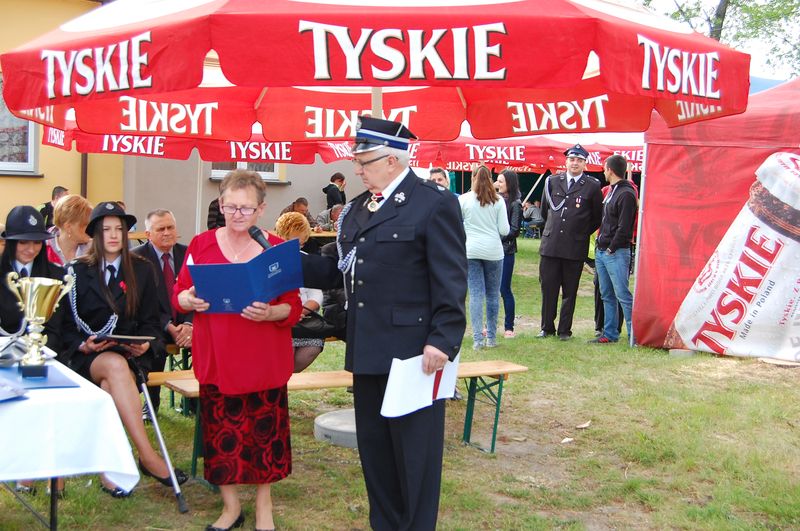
<point>17,142</point>
<point>267,170</point>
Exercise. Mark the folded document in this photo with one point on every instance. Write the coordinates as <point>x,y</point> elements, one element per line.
<point>410,389</point>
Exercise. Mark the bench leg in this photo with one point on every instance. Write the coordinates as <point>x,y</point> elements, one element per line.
<point>170,367</point>
<point>198,439</point>
<point>497,411</point>
<point>471,390</point>
<point>479,384</point>
<point>184,365</point>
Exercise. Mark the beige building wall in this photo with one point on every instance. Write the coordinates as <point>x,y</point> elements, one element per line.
<point>22,21</point>
<point>185,187</point>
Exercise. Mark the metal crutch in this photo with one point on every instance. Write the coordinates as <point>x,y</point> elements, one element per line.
<point>182,506</point>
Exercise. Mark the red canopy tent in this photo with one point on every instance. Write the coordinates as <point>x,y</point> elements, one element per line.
<point>539,152</point>
<point>209,69</point>
<point>536,153</point>
<point>697,180</point>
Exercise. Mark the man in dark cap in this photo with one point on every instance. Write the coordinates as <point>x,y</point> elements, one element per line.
<point>572,209</point>
<point>403,260</point>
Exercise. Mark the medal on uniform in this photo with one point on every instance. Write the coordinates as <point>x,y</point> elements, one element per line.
<point>374,201</point>
<point>578,202</point>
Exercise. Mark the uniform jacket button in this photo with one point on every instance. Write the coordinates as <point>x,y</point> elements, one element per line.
<point>360,304</point>
<point>394,235</point>
<point>362,239</point>
<point>361,260</point>
<point>419,319</point>
<point>360,282</point>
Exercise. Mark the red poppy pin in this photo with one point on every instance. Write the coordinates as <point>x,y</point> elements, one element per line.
<point>123,286</point>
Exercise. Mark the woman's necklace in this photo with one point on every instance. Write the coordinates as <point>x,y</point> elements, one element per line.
<point>66,246</point>
<point>233,249</point>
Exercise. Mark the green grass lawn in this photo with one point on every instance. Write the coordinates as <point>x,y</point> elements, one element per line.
<point>672,442</point>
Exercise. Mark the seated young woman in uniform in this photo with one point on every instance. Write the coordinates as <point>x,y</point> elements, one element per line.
<point>115,293</point>
<point>25,254</point>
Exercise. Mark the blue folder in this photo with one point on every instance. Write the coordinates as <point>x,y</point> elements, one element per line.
<point>229,288</point>
<point>55,378</point>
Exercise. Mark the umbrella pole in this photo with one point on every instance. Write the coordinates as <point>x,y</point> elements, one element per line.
<point>377,102</point>
<point>534,186</point>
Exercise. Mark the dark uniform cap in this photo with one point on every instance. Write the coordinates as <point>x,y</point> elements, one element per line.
<point>25,223</point>
<point>577,151</point>
<point>108,208</point>
<point>373,133</point>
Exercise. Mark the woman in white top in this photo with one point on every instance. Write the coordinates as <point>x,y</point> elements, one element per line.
<point>485,222</point>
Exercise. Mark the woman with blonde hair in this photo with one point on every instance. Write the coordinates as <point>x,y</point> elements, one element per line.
<point>294,225</point>
<point>70,218</point>
<point>242,361</point>
<point>485,222</point>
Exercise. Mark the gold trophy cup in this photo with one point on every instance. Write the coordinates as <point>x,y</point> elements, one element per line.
<point>38,298</point>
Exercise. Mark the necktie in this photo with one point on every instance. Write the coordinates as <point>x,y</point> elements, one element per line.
<point>23,272</point>
<point>169,280</point>
<point>570,182</point>
<point>111,274</point>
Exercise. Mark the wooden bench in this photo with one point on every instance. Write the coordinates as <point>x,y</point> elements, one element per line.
<point>485,377</point>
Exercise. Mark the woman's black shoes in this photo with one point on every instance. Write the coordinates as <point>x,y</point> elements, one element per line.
<point>239,522</point>
<point>180,475</point>
<point>116,492</point>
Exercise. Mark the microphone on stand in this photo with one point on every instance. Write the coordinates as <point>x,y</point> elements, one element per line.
<point>258,236</point>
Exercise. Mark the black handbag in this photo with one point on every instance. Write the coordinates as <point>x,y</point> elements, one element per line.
<point>313,326</point>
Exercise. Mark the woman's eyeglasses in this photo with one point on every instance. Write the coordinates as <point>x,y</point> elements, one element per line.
<point>232,210</point>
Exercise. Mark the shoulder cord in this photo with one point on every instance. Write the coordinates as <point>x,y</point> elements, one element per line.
<point>346,263</point>
<point>547,196</point>
<point>110,325</point>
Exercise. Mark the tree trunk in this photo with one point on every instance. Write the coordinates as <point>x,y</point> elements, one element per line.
<point>719,19</point>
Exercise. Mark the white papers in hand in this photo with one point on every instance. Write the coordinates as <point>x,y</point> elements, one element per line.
<point>410,389</point>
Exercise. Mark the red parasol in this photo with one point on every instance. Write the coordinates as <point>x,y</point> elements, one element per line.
<point>524,153</point>
<point>209,69</point>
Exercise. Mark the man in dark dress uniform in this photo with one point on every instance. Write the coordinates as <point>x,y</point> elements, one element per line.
<point>166,255</point>
<point>403,260</point>
<point>572,209</point>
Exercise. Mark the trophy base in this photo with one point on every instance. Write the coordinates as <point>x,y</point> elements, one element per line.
<point>33,371</point>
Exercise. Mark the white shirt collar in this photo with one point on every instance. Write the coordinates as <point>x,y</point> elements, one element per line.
<point>389,190</point>
<point>116,263</point>
<point>19,266</point>
<point>160,253</point>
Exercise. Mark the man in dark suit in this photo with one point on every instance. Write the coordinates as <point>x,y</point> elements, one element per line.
<point>403,260</point>
<point>572,209</point>
<point>46,210</point>
<point>166,255</point>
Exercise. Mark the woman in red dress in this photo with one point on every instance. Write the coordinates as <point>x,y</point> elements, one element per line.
<point>242,362</point>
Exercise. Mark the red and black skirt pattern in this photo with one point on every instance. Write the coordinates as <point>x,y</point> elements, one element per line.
<point>245,437</point>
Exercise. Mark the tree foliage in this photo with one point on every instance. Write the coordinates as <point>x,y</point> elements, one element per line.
<point>776,23</point>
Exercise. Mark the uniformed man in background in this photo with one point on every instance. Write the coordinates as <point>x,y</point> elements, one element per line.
<point>403,261</point>
<point>572,209</point>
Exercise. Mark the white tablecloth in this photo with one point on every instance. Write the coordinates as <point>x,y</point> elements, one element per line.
<point>65,432</point>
